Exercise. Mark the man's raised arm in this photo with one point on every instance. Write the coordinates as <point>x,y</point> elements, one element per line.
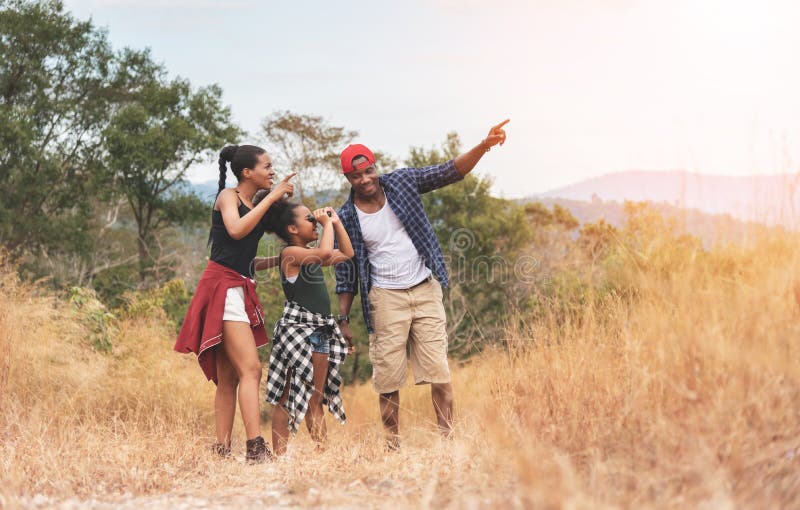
<point>464,163</point>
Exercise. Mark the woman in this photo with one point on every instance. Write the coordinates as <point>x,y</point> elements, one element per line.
<point>224,324</point>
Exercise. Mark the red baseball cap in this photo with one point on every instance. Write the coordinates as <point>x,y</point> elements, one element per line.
<point>351,152</point>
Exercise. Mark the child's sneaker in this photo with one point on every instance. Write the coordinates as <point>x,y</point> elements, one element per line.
<point>393,444</point>
<point>257,451</point>
<point>221,450</point>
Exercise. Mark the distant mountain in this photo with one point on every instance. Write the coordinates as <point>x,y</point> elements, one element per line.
<point>710,228</point>
<point>208,191</point>
<point>771,199</point>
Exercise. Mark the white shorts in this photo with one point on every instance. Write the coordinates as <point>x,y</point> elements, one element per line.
<point>234,306</point>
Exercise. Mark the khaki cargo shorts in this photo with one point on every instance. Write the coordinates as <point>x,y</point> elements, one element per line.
<point>410,320</point>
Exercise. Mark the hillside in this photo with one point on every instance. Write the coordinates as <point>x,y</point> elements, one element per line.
<point>771,199</point>
<point>710,228</point>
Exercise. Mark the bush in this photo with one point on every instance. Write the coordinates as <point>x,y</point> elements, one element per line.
<point>94,316</point>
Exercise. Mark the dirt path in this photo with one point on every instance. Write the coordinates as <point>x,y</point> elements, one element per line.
<point>273,485</point>
<point>374,493</point>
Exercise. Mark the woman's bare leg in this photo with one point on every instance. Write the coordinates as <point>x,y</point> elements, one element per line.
<point>225,398</point>
<point>240,347</point>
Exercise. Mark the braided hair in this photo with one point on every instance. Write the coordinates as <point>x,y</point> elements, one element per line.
<point>240,157</point>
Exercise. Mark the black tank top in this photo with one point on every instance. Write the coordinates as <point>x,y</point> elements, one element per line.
<point>237,255</point>
<point>309,289</point>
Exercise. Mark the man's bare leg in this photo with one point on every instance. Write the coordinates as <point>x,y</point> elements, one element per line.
<point>390,416</point>
<point>442,396</point>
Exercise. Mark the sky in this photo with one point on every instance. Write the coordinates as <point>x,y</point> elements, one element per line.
<point>591,87</point>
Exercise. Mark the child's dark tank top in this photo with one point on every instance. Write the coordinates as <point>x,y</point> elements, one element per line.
<point>309,289</point>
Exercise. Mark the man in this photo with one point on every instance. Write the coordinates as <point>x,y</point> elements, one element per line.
<point>399,269</point>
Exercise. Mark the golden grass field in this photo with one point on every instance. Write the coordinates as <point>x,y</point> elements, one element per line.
<point>687,396</point>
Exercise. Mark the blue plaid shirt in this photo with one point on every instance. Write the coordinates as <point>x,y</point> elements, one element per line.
<point>403,189</point>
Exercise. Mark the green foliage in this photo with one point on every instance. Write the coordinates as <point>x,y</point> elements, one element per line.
<point>143,304</point>
<point>654,243</point>
<point>597,239</point>
<point>269,289</point>
<point>163,128</point>
<point>94,316</point>
<point>166,302</point>
<point>183,208</point>
<point>95,125</point>
<point>112,283</point>
<point>564,295</point>
<point>541,217</point>
<point>175,301</point>
<point>604,261</point>
<point>419,157</point>
<point>56,76</point>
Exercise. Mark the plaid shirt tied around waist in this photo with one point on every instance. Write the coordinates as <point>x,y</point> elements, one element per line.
<point>291,349</point>
<point>403,189</point>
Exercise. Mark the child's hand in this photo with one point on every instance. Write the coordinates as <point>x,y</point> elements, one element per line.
<point>321,215</point>
<point>334,217</point>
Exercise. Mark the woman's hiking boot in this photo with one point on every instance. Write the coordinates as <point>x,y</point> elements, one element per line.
<point>257,451</point>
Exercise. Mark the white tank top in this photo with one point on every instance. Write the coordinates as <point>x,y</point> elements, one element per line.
<point>394,261</point>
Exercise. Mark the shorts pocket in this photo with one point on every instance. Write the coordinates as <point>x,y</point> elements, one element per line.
<point>437,289</point>
<point>374,296</point>
<point>374,354</point>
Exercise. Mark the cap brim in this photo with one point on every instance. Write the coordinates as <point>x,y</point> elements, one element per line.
<point>362,164</point>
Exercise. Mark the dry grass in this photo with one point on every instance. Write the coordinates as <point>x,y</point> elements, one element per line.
<point>687,396</point>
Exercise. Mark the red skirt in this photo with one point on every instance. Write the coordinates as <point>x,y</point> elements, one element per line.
<point>202,327</point>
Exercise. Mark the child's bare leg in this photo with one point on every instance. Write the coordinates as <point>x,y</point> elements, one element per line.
<point>225,398</point>
<point>280,423</point>
<point>316,416</point>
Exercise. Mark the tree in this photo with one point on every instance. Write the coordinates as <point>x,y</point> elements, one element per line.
<point>308,145</point>
<point>162,129</point>
<point>542,217</point>
<point>56,88</point>
<point>596,239</point>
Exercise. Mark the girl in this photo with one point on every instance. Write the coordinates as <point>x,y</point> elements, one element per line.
<point>224,325</point>
<point>307,344</point>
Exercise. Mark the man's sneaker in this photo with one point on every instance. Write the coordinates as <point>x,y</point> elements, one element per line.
<point>257,451</point>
